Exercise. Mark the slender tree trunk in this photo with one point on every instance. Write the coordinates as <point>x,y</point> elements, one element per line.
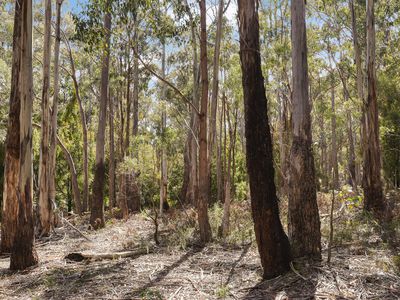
<point>220,176</point>
<point>228,172</point>
<point>74,178</point>
<point>135,126</point>
<point>372,184</point>
<point>189,189</point>
<point>54,111</point>
<point>128,100</point>
<point>303,215</point>
<point>97,213</point>
<point>273,244</point>
<point>164,179</point>
<point>45,205</point>
<point>215,85</point>
<point>82,114</point>
<point>360,75</point>
<point>334,155</point>
<point>203,197</point>
<point>111,169</point>
<point>23,254</point>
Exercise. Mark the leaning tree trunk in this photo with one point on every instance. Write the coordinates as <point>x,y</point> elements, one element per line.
<point>303,215</point>
<point>203,197</point>
<point>372,184</point>
<point>45,206</point>
<point>97,213</point>
<point>273,244</point>
<point>54,111</point>
<point>23,253</point>
<point>82,114</point>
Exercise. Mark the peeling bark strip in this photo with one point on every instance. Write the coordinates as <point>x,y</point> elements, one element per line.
<point>97,213</point>
<point>12,155</point>
<point>45,206</point>
<point>273,244</point>
<point>372,184</point>
<point>23,254</point>
<point>303,216</point>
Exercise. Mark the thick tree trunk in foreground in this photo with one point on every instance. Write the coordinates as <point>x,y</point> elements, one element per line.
<point>303,216</point>
<point>97,213</point>
<point>23,253</point>
<point>203,197</point>
<point>54,111</point>
<point>273,244</point>
<point>45,205</point>
<point>372,184</point>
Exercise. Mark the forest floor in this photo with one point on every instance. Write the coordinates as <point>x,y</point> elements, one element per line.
<point>362,267</point>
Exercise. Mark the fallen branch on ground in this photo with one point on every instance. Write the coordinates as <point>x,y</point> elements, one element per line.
<point>76,229</point>
<point>75,256</point>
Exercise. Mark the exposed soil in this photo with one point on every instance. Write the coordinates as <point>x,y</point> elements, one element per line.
<point>357,271</point>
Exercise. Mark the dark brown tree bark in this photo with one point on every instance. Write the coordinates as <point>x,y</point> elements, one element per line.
<point>203,197</point>
<point>23,253</point>
<point>273,244</point>
<point>97,213</point>
<point>303,215</point>
<point>372,184</point>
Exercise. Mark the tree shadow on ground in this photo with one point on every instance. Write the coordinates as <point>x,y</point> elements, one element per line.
<point>163,273</point>
<point>288,286</point>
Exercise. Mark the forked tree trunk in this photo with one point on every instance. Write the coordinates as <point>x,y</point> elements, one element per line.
<point>372,184</point>
<point>163,179</point>
<point>97,213</point>
<point>54,111</point>
<point>45,205</point>
<point>203,197</point>
<point>303,215</point>
<point>273,244</point>
<point>23,253</point>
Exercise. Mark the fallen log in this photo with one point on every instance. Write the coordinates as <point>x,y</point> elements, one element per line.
<point>81,256</point>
